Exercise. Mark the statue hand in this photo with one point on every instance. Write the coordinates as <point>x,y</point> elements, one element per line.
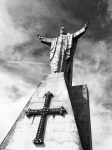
<point>87,25</point>
<point>39,36</point>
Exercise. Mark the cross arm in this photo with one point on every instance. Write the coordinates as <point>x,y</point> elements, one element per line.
<point>33,112</point>
<point>57,111</point>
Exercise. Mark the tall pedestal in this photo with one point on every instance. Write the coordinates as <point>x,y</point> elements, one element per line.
<point>70,131</point>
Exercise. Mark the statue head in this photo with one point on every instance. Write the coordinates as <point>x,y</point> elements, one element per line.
<point>63,30</point>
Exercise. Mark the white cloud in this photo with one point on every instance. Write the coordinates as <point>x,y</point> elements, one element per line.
<point>10,103</point>
<point>91,68</point>
<point>9,35</point>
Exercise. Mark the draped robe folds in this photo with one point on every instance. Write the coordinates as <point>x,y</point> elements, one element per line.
<point>62,52</point>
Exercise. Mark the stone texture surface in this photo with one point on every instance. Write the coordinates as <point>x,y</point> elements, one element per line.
<point>61,131</point>
<point>80,103</point>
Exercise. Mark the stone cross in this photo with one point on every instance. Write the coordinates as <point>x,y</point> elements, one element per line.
<point>44,112</point>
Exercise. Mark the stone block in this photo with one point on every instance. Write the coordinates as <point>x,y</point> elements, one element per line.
<point>53,145</point>
<point>49,127</point>
<point>13,145</point>
<point>35,120</point>
<point>58,104</point>
<point>71,146</point>
<point>36,105</point>
<point>71,127</point>
<point>38,100</point>
<point>23,127</point>
<point>21,136</point>
<point>62,136</point>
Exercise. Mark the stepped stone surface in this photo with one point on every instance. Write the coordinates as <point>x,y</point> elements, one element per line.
<point>61,132</point>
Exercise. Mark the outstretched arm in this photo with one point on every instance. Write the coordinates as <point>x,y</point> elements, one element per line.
<point>44,40</point>
<point>79,33</point>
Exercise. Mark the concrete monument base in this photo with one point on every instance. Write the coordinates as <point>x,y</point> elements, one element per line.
<point>68,132</point>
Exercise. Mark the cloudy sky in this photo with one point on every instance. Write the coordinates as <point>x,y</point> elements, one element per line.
<point>24,60</point>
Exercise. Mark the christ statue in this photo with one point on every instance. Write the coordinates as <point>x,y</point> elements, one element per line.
<point>62,50</point>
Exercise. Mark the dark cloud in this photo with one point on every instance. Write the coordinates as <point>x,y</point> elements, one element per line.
<point>30,73</point>
<point>94,11</point>
<point>15,93</point>
<point>46,18</point>
<point>72,14</point>
<point>33,51</point>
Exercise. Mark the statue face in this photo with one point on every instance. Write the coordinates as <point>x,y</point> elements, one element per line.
<point>63,30</point>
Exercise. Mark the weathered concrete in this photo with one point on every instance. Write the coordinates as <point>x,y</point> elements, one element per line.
<point>61,131</point>
<point>80,103</point>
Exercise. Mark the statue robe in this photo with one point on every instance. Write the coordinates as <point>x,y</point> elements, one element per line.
<point>62,51</point>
